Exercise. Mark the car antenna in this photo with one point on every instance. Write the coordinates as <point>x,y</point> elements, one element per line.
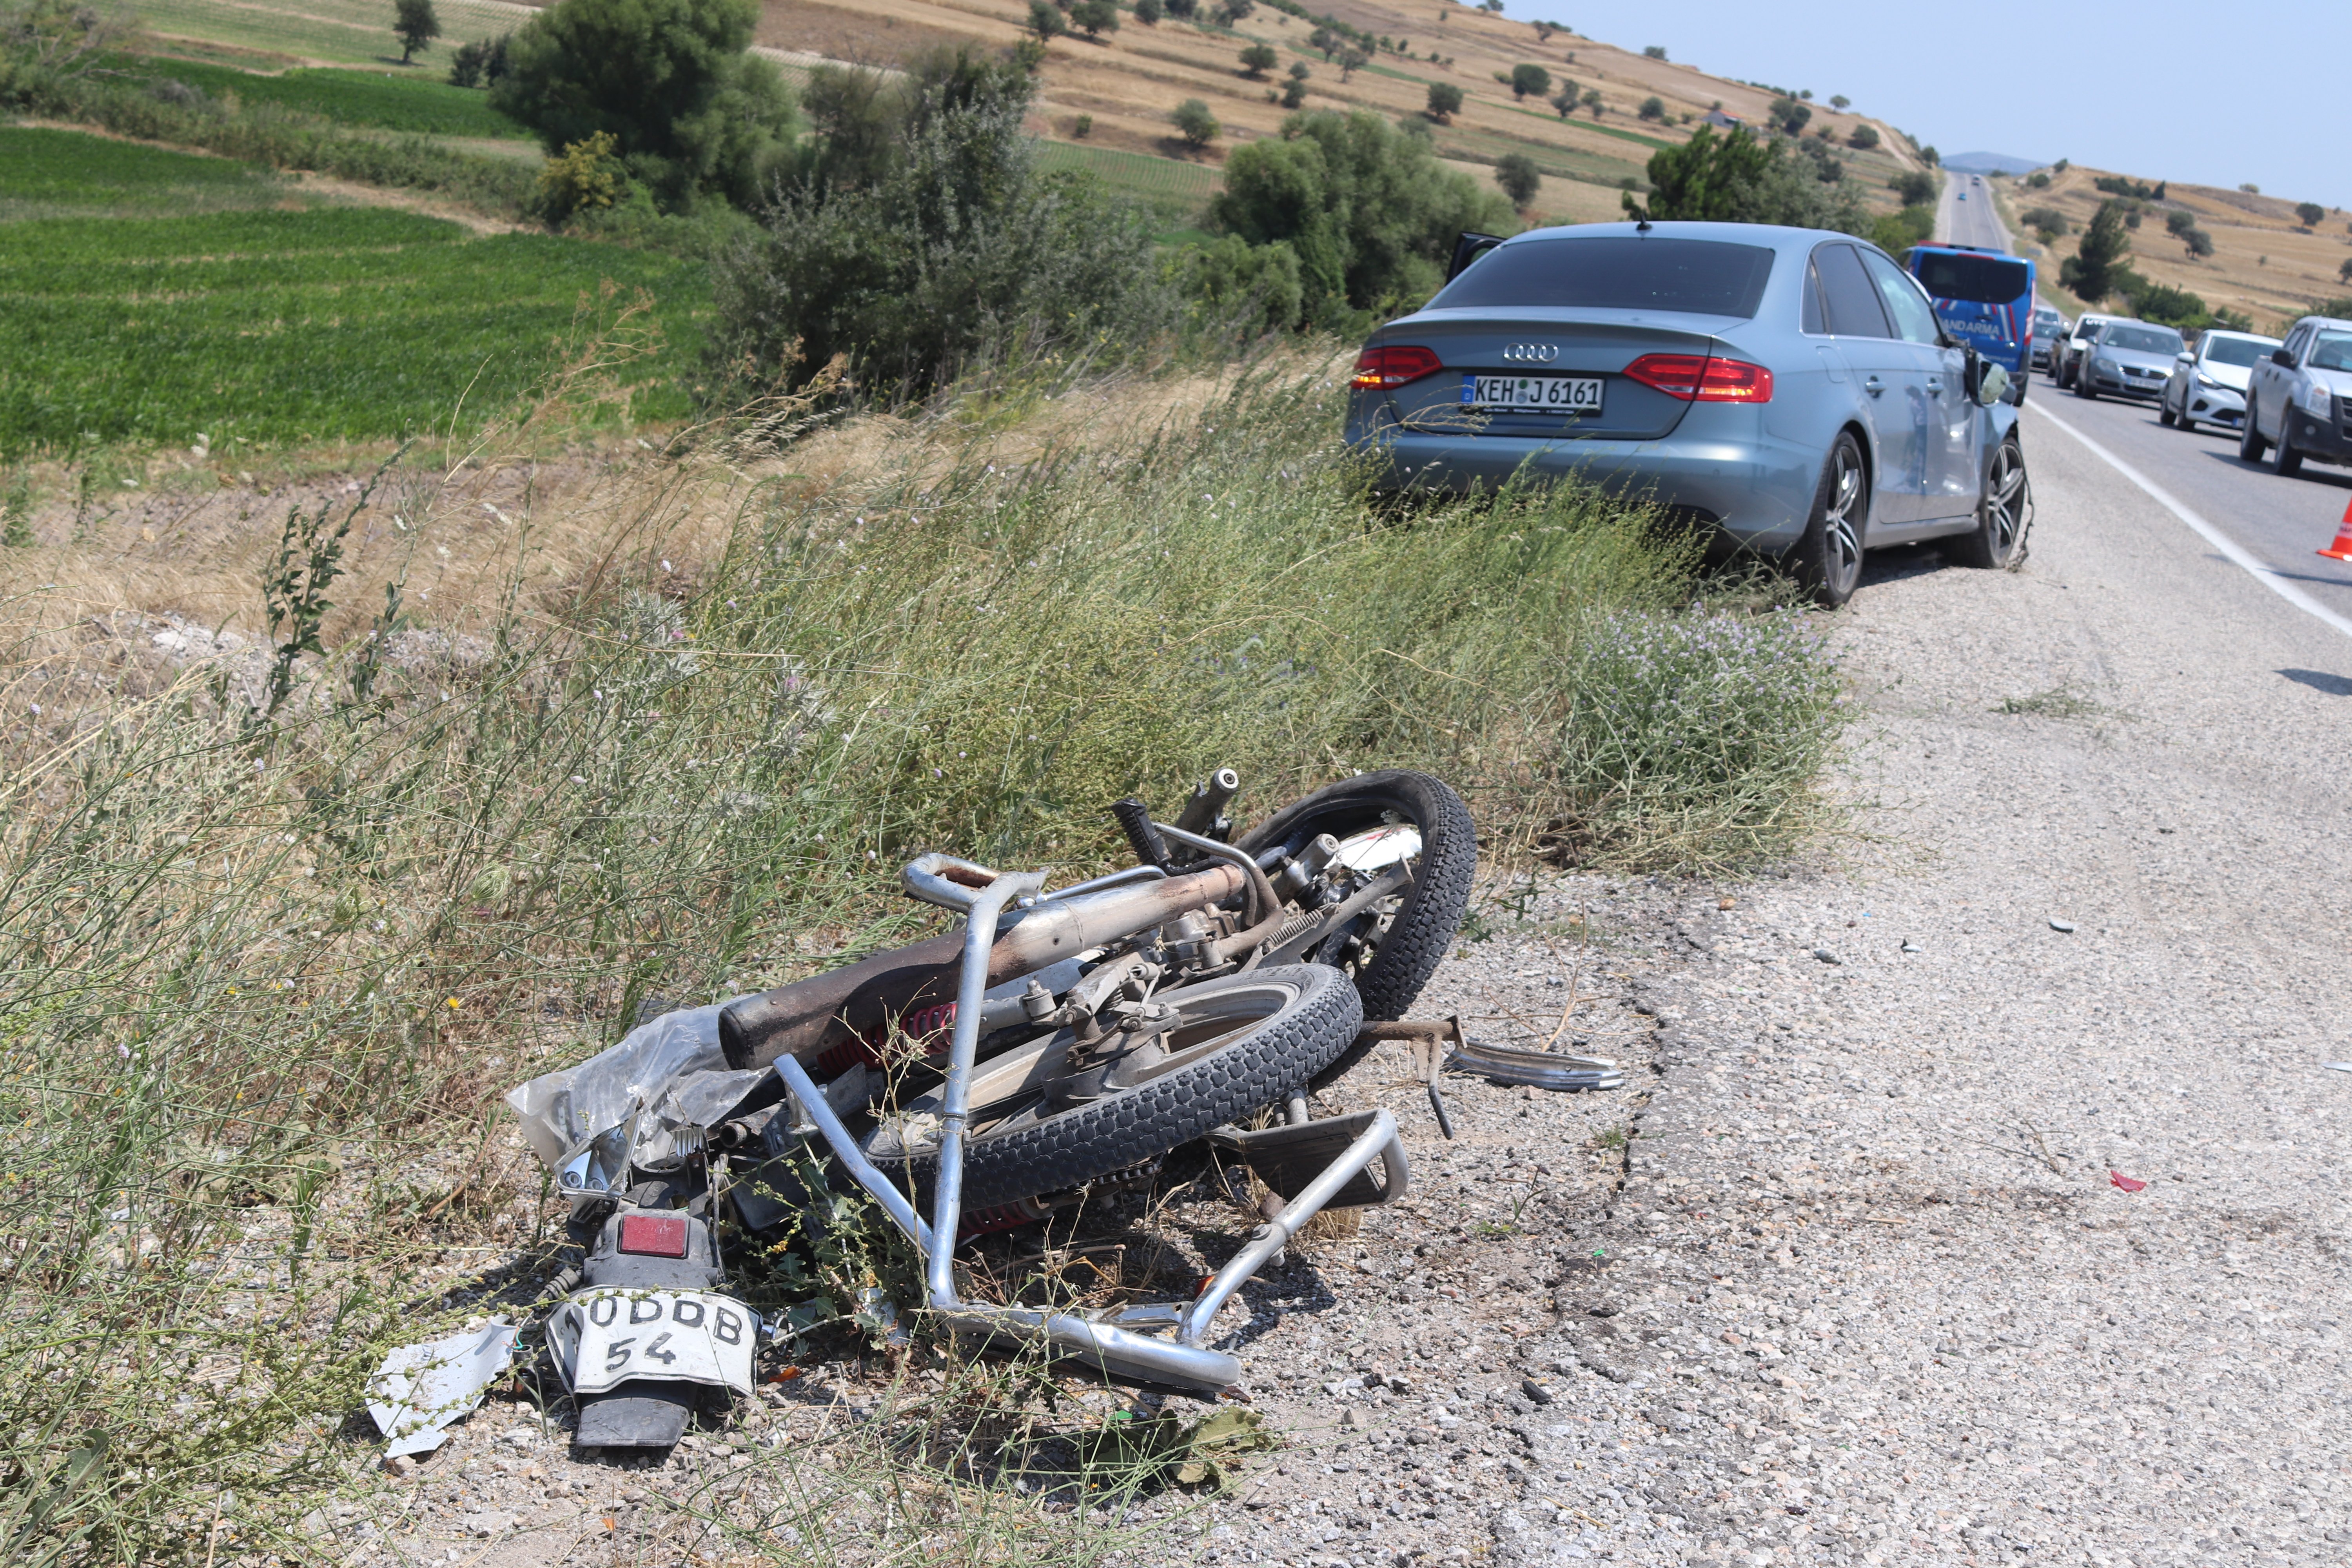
<point>1642,226</point>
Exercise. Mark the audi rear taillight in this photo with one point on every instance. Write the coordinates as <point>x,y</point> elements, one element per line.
<point>1698,378</point>
<point>1377,370</point>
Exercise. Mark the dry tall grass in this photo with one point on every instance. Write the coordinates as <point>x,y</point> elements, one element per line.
<point>276,925</point>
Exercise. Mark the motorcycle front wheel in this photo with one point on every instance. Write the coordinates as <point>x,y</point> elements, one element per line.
<point>1048,1117</point>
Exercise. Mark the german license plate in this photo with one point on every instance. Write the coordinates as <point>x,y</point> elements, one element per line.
<point>1540,393</point>
<point>608,1336</point>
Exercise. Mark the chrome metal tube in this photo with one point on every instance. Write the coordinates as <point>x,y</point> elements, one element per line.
<point>923,878</point>
<point>1115,1350</point>
<point>817,1109</point>
<point>1377,1142</point>
<point>955,1109</point>
<point>1105,883</point>
<point>1267,900</point>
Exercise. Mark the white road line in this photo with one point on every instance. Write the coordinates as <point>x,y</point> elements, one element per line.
<point>2204,530</point>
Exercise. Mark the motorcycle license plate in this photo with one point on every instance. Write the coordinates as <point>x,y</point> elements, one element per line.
<point>1540,394</point>
<point>609,1336</point>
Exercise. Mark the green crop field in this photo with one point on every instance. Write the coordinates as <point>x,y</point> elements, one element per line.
<point>384,98</point>
<point>60,174</point>
<point>330,32</point>
<point>279,326</point>
<point>1163,182</point>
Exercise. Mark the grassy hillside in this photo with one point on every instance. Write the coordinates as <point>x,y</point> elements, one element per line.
<point>245,321</point>
<point>2264,264</point>
<point>1126,83</point>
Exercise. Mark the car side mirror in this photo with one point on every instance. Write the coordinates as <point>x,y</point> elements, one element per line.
<point>2184,357</point>
<point>1992,384</point>
<point>2282,359</point>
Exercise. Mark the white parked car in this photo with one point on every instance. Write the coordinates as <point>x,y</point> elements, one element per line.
<point>2208,382</point>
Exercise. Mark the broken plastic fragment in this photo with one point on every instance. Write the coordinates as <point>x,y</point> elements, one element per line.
<point>2127,1184</point>
<point>421,1390</point>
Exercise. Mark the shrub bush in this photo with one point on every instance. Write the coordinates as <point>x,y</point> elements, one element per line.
<point>1095,17</point>
<point>1444,100</point>
<point>1863,138</point>
<point>1651,108</point>
<point>1517,174</point>
<point>1258,59</point>
<point>1194,123</point>
<point>1913,187</point>
<point>1741,178</point>
<point>1369,211</point>
<point>960,252</point>
<point>669,80</point>
<point>1530,81</point>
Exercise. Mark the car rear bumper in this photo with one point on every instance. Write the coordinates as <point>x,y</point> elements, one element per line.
<point>1758,491</point>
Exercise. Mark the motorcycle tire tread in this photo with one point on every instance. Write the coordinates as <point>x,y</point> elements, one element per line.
<point>1424,927</point>
<point>1257,1067</point>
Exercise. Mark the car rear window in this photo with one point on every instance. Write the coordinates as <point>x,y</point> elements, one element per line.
<point>1702,277</point>
<point>1979,279</point>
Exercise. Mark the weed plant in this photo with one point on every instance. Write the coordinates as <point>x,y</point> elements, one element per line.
<point>264,968</point>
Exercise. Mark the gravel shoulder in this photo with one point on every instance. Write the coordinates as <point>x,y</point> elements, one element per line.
<point>1844,1273</point>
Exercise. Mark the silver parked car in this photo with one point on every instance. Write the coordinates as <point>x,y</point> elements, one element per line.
<point>2126,359</point>
<point>1789,388</point>
<point>2049,330</point>
<point>2299,400</point>
<point>2208,382</point>
<point>2068,356</point>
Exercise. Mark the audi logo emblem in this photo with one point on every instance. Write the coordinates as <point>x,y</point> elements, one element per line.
<point>1531,353</point>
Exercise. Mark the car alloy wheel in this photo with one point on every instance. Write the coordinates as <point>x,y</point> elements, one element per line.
<point>1998,540</point>
<point>1829,556</point>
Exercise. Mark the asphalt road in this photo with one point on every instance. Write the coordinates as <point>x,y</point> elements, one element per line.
<point>2278,524</point>
<point>1969,222</point>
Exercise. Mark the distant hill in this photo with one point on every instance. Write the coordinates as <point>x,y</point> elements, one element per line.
<point>1991,164</point>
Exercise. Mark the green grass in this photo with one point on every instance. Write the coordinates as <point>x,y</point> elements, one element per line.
<point>338,32</point>
<point>49,173</point>
<point>281,327</point>
<point>1174,188</point>
<point>386,99</point>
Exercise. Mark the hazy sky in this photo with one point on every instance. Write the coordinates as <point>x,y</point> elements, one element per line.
<point>2159,88</point>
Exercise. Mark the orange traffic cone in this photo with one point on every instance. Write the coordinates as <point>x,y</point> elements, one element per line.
<point>2342,549</point>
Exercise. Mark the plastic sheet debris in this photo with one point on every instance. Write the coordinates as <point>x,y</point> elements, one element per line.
<point>2128,1184</point>
<point>2062,925</point>
<point>644,1104</point>
<point>2339,1066</point>
<point>421,1390</point>
<point>1544,1070</point>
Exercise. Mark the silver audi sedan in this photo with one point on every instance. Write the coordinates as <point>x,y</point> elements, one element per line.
<point>1789,388</point>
